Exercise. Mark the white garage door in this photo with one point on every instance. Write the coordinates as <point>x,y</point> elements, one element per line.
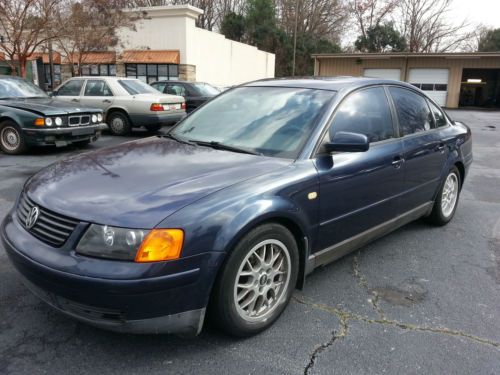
<point>383,73</point>
<point>434,82</point>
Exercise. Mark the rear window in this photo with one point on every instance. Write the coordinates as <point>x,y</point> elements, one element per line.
<point>135,87</point>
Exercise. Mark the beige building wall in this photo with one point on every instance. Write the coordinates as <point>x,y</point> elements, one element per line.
<point>355,66</point>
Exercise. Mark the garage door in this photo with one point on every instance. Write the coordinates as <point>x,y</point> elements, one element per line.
<point>383,73</point>
<point>434,82</point>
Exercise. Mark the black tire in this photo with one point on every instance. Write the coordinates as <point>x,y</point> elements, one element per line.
<point>441,215</point>
<point>225,311</point>
<point>153,128</point>
<point>119,123</point>
<point>11,138</point>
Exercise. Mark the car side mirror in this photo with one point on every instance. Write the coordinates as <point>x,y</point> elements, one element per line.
<point>347,142</point>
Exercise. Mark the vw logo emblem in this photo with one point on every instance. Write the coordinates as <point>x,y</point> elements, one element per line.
<point>32,217</point>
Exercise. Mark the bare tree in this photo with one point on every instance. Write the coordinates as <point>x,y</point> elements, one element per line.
<point>424,25</point>
<point>25,25</point>
<point>88,26</point>
<point>370,13</point>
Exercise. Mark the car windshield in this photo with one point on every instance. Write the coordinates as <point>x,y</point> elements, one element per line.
<point>135,87</point>
<point>19,88</point>
<point>273,121</point>
<point>205,89</point>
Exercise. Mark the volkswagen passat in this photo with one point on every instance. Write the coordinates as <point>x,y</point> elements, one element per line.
<point>233,207</point>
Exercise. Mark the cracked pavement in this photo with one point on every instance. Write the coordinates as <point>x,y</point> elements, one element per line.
<point>420,300</point>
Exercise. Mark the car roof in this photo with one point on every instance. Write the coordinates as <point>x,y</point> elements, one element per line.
<point>324,83</point>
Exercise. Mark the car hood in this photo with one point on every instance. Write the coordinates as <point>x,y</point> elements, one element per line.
<point>138,184</point>
<point>46,106</point>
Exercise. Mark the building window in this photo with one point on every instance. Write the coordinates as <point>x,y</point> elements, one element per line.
<point>152,72</point>
<point>57,74</point>
<point>98,70</point>
<point>431,86</point>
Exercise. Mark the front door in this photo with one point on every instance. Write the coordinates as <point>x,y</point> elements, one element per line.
<point>70,91</point>
<point>425,152</point>
<point>97,94</point>
<point>360,190</point>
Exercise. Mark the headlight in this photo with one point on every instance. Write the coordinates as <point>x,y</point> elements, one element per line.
<point>99,117</point>
<point>48,121</point>
<point>94,118</point>
<point>58,121</point>
<point>131,244</point>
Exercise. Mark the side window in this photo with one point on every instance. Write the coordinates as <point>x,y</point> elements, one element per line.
<point>365,112</point>
<point>71,88</point>
<point>413,112</point>
<point>97,87</point>
<point>160,86</point>
<point>175,89</point>
<point>439,116</point>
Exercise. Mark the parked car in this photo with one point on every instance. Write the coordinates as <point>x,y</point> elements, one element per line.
<point>296,174</point>
<point>126,102</point>
<point>29,117</point>
<point>195,93</point>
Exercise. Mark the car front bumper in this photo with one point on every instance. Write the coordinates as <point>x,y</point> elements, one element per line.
<point>156,118</point>
<point>164,297</point>
<point>63,136</point>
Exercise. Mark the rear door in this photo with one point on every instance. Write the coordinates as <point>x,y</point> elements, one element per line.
<point>70,91</point>
<point>360,190</point>
<point>97,94</point>
<point>425,153</point>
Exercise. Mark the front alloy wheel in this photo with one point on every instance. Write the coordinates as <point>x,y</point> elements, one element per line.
<point>11,139</point>
<point>256,282</point>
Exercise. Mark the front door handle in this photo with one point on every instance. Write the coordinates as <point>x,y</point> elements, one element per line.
<point>397,162</point>
<point>106,101</point>
<point>75,100</point>
<point>440,148</point>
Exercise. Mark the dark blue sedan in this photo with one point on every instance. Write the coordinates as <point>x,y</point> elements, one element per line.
<point>228,212</point>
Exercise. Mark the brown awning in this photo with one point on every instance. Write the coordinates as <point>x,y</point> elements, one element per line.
<point>155,57</point>
<point>2,56</point>
<point>56,57</point>
<point>105,57</point>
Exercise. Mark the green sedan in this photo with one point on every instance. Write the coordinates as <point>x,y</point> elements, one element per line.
<point>29,117</point>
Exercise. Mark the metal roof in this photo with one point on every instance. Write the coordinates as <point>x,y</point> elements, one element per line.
<point>388,55</point>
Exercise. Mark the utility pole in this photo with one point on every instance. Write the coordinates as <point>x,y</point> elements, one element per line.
<point>295,36</point>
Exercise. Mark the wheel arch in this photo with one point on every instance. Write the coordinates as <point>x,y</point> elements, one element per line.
<point>111,110</point>
<point>461,168</point>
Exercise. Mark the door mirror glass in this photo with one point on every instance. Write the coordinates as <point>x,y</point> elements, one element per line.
<point>347,142</point>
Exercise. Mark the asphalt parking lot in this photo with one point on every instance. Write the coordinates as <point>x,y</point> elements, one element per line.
<point>422,300</point>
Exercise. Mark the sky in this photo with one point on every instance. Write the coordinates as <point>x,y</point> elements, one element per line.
<point>486,12</point>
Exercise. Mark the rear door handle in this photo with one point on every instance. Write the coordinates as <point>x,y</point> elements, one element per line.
<point>106,101</point>
<point>440,148</point>
<point>75,100</point>
<point>397,162</point>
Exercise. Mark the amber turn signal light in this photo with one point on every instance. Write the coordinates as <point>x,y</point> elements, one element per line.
<point>160,245</point>
<point>39,122</point>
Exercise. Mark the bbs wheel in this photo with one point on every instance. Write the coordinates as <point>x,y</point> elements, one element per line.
<point>11,139</point>
<point>256,282</point>
<point>118,123</point>
<point>447,199</point>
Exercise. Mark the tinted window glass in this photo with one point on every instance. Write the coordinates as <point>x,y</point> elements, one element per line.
<point>160,86</point>
<point>134,87</point>
<point>97,87</point>
<point>71,88</point>
<point>365,112</point>
<point>438,116</point>
<point>413,112</point>
<point>176,89</point>
<point>274,121</point>
<point>19,88</point>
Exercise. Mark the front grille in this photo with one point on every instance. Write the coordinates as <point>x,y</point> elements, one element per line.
<point>50,227</point>
<point>79,120</point>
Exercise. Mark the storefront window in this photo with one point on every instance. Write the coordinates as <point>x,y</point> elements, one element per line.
<point>98,70</point>
<point>150,73</point>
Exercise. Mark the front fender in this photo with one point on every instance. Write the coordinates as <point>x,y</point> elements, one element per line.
<point>19,117</point>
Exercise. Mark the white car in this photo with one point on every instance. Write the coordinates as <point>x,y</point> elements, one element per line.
<point>126,102</point>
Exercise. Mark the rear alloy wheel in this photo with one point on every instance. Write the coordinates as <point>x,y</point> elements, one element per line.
<point>11,139</point>
<point>256,282</point>
<point>118,123</point>
<point>447,199</point>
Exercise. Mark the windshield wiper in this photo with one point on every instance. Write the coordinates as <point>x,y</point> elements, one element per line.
<point>222,146</point>
<point>175,138</point>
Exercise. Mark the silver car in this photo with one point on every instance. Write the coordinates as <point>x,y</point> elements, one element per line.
<point>126,102</point>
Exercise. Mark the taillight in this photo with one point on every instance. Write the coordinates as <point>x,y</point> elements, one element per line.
<point>183,105</point>
<point>155,107</point>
